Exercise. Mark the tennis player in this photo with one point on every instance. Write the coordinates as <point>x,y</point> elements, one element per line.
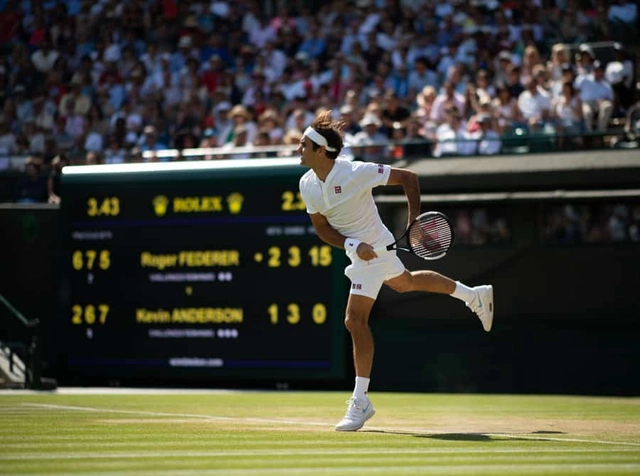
<point>339,200</point>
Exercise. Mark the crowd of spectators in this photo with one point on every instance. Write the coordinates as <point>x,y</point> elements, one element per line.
<point>111,81</point>
<point>573,224</point>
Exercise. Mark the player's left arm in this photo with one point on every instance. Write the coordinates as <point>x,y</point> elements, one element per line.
<point>408,180</point>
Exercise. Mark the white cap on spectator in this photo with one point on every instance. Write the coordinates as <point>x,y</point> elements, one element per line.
<point>222,106</point>
<point>220,9</point>
<point>184,42</point>
<point>505,55</point>
<point>369,120</point>
<point>346,109</point>
<point>584,48</point>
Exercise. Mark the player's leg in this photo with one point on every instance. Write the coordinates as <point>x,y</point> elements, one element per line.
<point>366,282</point>
<point>359,408</point>
<point>357,323</point>
<point>479,299</point>
<point>423,280</point>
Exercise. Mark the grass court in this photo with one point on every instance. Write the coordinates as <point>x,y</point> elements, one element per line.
<point>202,432</point>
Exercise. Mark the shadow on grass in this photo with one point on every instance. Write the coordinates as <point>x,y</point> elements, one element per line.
<point>465,436</point>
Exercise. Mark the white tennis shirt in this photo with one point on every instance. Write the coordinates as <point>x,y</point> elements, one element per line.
<point>345,199</point>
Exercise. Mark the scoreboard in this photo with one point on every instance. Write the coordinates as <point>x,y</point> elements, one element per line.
<point>197,270</point>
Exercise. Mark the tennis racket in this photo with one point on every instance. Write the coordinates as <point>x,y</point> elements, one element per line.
<point>429,237</point>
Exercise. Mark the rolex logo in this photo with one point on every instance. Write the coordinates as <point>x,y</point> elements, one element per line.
<point>160,203</point>
<point>234,201</point>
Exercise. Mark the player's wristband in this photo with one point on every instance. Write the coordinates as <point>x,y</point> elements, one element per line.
<point>351,244</point>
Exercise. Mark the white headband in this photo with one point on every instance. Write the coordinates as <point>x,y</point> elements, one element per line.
<point>318,138</point>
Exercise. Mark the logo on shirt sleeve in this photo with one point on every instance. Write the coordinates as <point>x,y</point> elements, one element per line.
<point>337,189</point>
<point>380,168</point>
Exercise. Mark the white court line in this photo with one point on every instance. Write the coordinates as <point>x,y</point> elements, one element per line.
<point>122,391</point>
<point>310,423</point>
<point>466,469</point>
<point>431,452</point>
<point>177,415</point>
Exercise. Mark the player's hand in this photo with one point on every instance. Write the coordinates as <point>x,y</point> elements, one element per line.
<point>366,252</point>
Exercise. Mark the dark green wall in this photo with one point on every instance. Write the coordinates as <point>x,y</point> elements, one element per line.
<point>567,317</point>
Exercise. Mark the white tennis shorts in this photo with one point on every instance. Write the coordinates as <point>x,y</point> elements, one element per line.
<point>367,277</point>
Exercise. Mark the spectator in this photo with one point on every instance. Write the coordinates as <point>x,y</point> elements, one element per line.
<point>596,95</point>
<point>557,84</point>
<point>114,153</point>
<point>45,57</point>
<point>240,115</point>
<point>53,180</point>
<point>23,105</point>
<point>421,76</point>
<point>215,47</point>
<point>297,120</point>
<point>74,123</point>
<point>452,137</point>
<point>149,140</point>
<point>314,43</point>
<point>42,118</point>
<point>530,60</point>
<point>8,140</point>
<point>585,59</point>
<point>567,111</point>
<point>489,142</point>
<point>504,63</point>
<point>560,57</point>
<point>400,82</point>
<point>485,90</point>
<point>414,143</point>
<point>446,97</point>
<point>370,144</point>
<point>91,158</point>
<point>260,83</point>
<point>208,140</point>
<point>351,126</point>
<point>35,137</point>
<point>269,121</point>
<point>63,140</point>
<point>262,140</point>
<point>82,102</point>
<point>534,105</point>
<point>291,139</point>
<point>424,101</point>
<point>31,187</point>
<point>620,74</point>
<point>240,140</point>
<point>393,112</point>
<point>514,81</point>
<point>622,16</point>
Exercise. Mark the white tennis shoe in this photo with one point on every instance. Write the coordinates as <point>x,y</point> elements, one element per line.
<point>358,412</point>
<point>482,305</point>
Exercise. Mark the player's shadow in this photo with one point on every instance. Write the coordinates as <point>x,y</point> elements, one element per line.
<point>465,436</point>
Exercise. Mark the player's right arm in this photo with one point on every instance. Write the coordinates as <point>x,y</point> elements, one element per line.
<point>326,232</point>
<point>332,237</point>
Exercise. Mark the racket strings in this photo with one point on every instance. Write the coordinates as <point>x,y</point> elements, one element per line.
<point>431,237</point>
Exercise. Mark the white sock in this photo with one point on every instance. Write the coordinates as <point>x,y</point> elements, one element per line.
<point>463,292</point>
<point>362,387</point>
